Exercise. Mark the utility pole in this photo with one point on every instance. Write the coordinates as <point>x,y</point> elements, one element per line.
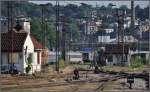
<point>57,36</point>
<point>43,25</point>
<point>10,28</point>
<point>63,49</point>
<point>10,15</point>
<point>86,18</point>
<point>92,29</point>
<point>0,49</point>
<point>149,45</point>
<point>93,17</point>
<point>120,33</point>
<point>132,15</point>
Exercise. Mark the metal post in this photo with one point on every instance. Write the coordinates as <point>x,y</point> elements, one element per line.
<point>132,15</point>
<point>57,36</point>
<point>120,15</point>
<point>42,24</point>
<point>123,43</point>
<point>11,19</point>
<point>149,45</point>
<point>10,27</point>
<point>0,48</point>
<point>63,49</point>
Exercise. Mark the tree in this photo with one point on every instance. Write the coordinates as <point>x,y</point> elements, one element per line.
<point>70,10</point>
<point>40,34</point>
<point>123,7</point>
<point>110,5</point>
<point>74,28</point>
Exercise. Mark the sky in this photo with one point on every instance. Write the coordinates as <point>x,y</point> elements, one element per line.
<point>99,3</point>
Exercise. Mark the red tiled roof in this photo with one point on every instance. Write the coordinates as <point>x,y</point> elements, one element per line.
<point>12,41</point>
<point>36,44</point>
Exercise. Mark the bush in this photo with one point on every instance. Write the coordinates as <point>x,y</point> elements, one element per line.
<point>137,62</point>
<point>61,63</point>
<point>144,61</point>
<point>29,63</point>
<point>29,59</point>
<point>28,68</point>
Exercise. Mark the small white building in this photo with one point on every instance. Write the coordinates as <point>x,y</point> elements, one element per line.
<point>130,39</point>
<point>109,30</point>
<point>106,39</point>
<point>16,48</point>
<point>114,55</point>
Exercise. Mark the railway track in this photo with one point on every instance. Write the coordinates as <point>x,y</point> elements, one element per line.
<point>105,82</point>
<point>52,84</point>
<point>102,82</point>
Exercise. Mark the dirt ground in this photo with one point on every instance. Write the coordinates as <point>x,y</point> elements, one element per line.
<point>51,81</point>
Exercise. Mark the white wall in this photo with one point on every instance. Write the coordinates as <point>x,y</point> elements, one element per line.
<point>30,49</point>
<point>35,65</point>
<point>29,44</point>
<point>34,58</point>
<point>26,26</point>
<point>117,60</point>
<point>147,56</point>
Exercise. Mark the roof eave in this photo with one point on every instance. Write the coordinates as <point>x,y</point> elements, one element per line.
<point>38,49</point>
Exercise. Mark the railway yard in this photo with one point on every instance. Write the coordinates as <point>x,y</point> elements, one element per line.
<point>63,82</point>
<point>75,46</point>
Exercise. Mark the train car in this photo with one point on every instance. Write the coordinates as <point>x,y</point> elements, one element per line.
<point>52,57</point>
<point>72,57</point>
<point>75,57</point>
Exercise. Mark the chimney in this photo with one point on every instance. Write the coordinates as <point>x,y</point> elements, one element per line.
<point>24,24</point>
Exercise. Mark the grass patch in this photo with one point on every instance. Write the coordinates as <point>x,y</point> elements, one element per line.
<point>61,64</point>
<point>123,69</point>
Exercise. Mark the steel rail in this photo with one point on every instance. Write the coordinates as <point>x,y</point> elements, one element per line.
<point>92,0</point>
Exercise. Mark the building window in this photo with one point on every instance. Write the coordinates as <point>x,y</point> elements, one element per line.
<point>92,28</point>
<point>38,58</point>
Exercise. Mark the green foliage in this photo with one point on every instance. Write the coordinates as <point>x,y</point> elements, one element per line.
<point>74,28</point>
<point>72,11</point>
<point>37,31</point>
<point>124,7</point>
<point>29,59</point>
<point>61,63</point>
<point>29,63</point>
<point>144,61</point>
<point>28,68</point>
<point>138,62</point>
